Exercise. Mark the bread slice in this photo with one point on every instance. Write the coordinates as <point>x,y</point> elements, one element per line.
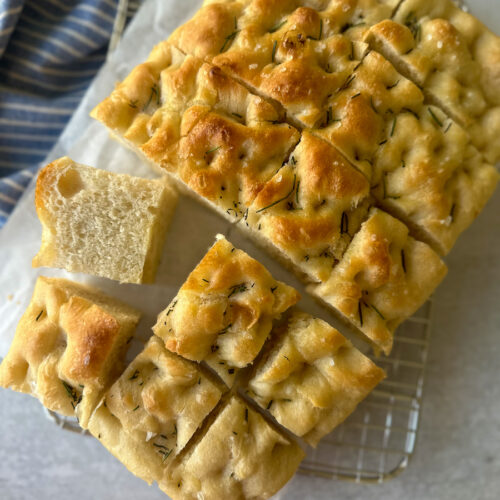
<point>69,346</point>
<point>223,313</point>
<point>384,277</point>
<point>200,127</point>
<point>296,53</point>
<point>101,223</point>
<point>240,456</point>
<point>454,58</point>
<point>424,166</point>
<point>153,410</point>
<point>309,211</point>
<point>311,378</point>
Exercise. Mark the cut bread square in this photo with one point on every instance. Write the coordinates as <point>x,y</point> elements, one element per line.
<point>69,346</point>
<point>383,278</point>
<point>152,411</point>
<point>241,456</point>
<point>285,51</point>
<point>454,57</point>
<point>102,223</point>
<point>216,139</point>
<point>424,167</point>
<point>309,211</point>
<point>311,378</point>
<point>224,311</point>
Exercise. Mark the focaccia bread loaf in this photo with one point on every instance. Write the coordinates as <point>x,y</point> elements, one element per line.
<point>454,57</point>
<point>208,132</point>
<point>152,411</point>
<point>241,456</point>
<point>311,378</point>
<point>223,313</point>
<point>102,223</point>
<point>69,346</point>
<point>309,211</point>
<point>383,278</point>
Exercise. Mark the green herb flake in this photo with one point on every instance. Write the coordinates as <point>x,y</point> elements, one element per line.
<point>237,115</point>
<point>448,127</point>
<point>452,212</point>
<point>277,27</point>
<point>212,150</point>
<point>403,260</point>
<point>360,313</point>
<point>133,103</point>
<point>281,199</point>
<point>269,404</point>
<point>394,125</point>
<point>434,117</point>
<point>136,408</point>
<point>356,95</point>
<point>389,87</point>
<point>229,39</point>
<point>377,311</point>
<point>39,315</point>
<point>273,54</point>
<point>238,288</point>
<point>134,375</point>
<point>344,224</point>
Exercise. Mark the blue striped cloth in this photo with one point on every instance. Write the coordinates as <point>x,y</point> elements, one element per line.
<point>49,52</point>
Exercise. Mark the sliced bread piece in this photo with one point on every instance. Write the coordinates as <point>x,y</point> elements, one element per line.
<point>69,346</point>
<point>101,223</point>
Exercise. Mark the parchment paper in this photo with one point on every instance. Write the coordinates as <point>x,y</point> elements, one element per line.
<point>193,228</point>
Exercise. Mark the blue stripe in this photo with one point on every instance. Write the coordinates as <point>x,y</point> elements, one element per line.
<point>50,56</point>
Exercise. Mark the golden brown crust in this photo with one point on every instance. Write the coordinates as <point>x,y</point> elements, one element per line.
<point>240,457</point>
<point>69,346</point>
<point>312,378</point>
<point>223,313</point>
<point>454,57</point>
<point>383,278</point>
<point>155,408</point>
<point>312,207</point>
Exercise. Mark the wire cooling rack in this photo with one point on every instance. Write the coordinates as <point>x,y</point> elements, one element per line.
<point>376,442</point>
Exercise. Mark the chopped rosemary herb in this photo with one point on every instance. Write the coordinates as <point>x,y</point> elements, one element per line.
<point>403,164</point>
<point>344,224</point>
<point>154,92</point>
<point>134,375</point>
<point>293,161</point>
<point>306,258</point>
<point>212,150</point>
<point>228,40</point>
<point>281,199</point>
<point>165,454</point>
<point>136,408</point>
<point>199,380</point>
<point>381,143</point>
<point>356,95</point>
<point>286,357</point>
<point>377,311</point>
<point>273,288</point>
<point>452,212</point>
<point>394,125</point>
<point>238,288</point>
<point>206,281</point>
<point>297,193</point>
<point>171,308</point>
<point>225,329</point>
<point>269,404</point>
<point>277,27</point>
<point>129,340</point>
<point>347,83</point>
<point>408,110</point>
<point>39,314</point>
<point>360,313</point>
<point>412,24</point>
<point>273,54</point>
<point>389,87</point>
<point>372,105</point>
<point>214,348</point>
<point>237,115</point>
<point>403,260</point>
<point>448,127</point>
<point>133,104</point>
<point>235,433</point>
<point>434,117</point>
